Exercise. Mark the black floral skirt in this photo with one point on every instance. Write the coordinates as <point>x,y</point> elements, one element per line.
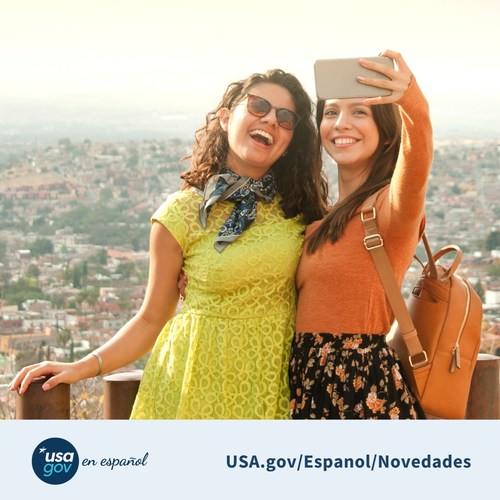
<point>348,376</point>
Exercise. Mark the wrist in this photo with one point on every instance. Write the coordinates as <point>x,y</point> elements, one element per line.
<point>88,366</point>
<point>98,358</point>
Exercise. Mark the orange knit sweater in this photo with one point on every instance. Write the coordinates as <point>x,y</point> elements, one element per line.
<point>339,288</point>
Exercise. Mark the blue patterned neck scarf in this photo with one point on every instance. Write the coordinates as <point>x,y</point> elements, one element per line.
<point>244,191</point>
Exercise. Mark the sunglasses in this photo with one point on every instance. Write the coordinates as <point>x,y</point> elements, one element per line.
<point>258,106</point>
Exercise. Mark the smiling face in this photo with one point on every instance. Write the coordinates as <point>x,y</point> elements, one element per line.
<point>256,143</point>
<point>349,133</point>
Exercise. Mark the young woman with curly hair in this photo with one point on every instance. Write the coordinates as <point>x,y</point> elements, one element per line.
<point>236,229</point>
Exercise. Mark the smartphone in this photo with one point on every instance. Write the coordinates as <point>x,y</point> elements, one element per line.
<point>337,78</point>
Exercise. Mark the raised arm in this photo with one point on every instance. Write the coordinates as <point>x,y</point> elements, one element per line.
<point>137,336</point>
<point>409,181</point>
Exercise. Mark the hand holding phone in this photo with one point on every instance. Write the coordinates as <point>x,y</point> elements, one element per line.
<point>338,78</point>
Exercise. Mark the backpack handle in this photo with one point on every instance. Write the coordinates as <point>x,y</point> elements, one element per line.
<point>431,267</point>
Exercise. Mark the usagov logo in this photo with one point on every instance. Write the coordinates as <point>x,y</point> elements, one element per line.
<point>55,461</point>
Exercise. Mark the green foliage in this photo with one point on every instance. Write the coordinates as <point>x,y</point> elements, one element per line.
<point>100,257</point>
<point>478,287</point>
<point>33,271</point>
<point>3,250</point>
<point>126,269</point>
<point>107,225</point>
<point>76,277</point>
<point>120,236</point>
<point>494,270</point>
<point>65,143</point>
<point>6,222</point>
<point>38,223</point>
<point>105,195</point>
<point>133,160</point>
<point>493,241</point>
<point>22,290</point>
<point>142,270</point>
<point>85,271</point>
<point>8,205</point>
<point>89,295</point>
<point>41,246</point>
<point>65,341</point>
<point>28,356</point>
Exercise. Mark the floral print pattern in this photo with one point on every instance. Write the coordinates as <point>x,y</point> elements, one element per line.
<point>348,376</point>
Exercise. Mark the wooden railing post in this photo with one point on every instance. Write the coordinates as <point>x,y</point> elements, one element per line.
<point>120,390</point>
<point>37,404</point>
<point>484,396</point>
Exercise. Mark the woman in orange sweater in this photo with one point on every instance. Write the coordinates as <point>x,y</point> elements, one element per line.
<point>341,366</point>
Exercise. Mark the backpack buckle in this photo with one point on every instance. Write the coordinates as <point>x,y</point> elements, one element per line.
<point>373,241</point>
<point>371,214</point>
<point>420,363</point>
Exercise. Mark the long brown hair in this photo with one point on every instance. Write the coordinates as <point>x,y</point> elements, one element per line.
<point>299,174</point>
<point>388,122</point>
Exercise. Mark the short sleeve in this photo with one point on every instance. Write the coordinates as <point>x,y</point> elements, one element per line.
<point>178,213</point>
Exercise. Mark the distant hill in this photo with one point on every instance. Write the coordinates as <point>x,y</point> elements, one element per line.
<point>24,120</point>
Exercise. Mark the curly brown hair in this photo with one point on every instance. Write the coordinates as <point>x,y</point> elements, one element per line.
<point>299,174</point>
<point>388,122</point>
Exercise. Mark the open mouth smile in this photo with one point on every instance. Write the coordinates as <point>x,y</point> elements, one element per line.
<point>342,141</point>
<point>262,137</point>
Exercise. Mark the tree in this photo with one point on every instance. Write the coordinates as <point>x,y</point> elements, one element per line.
<point>65,341</point>
<point>3,250</point>
<point>8,204</point>
<point>76,277</point>
<point>65,143</point>
<point>126,269</point>
<point>28,355</point>
<point>494,270</point>
<point>133,159</point>
<point>22,290</point>
<point>89,295</point>
<point>105,195</point>
<point>33,271</point>
<point>480,290</point>
<point>124,302</point>
<point>85,272</point>
<point>101,257</point>
<point>493,241</point>
<point>41,246</point>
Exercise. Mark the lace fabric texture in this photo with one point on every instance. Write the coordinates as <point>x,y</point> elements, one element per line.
<point>225,353</point>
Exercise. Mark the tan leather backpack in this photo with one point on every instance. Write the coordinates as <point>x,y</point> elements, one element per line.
<point>437,333</point>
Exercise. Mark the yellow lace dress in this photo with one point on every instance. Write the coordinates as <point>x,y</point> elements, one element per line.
<point>224,355</point>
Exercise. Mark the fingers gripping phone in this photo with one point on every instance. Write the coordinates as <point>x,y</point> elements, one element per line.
<point>337,78</point>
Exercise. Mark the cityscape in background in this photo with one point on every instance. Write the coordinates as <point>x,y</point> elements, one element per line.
<point>103,119</point>
<point>76,195</point>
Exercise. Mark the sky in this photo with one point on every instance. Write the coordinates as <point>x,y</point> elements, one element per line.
<point>181,54</point>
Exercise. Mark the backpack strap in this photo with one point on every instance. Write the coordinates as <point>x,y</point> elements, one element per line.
<point>374,243</point>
